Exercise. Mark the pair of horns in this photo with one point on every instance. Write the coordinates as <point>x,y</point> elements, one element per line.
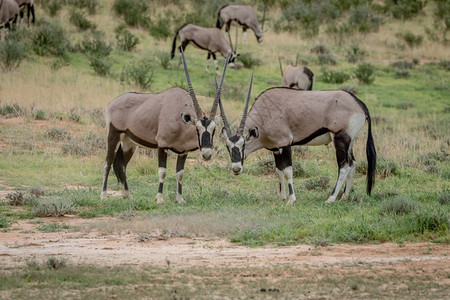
<point>281,68</point>
<point>240,130</point>
<point>198,110</point>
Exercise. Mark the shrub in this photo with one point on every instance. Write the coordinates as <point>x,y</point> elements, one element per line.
<point>52,7</point>
<point>445,64</point>
<point>320,49</point>
<point>163,57</point>
<point>12,52</point>
<point>19,198</point>
<point>79,20</point>
<point>50,39</point>
<point>317,183</point>
<point>248,61</point>
<point>160,28</point>
<point>58,134</point>
<point>398,205</point>
<point>95,45</point>
<point>133,12</point>
<point>12,111</point>
<point>405,9</point>
<point>125,39</point>
<point>334,76</point>
<point>355,54</point>
<point>411,39</point>
<point>326,59</point>
<point>365,73</point>
<point>90,5</point>
<point>402,73</point>
<point>53,207</point>
<point>54,263</point>
<point>100,64</point>
<point>444,198</point>
<point>403,64</point>
<point>139,73</point>
<point>428,220</point>
<point>364,20</point>
<point>4,222</point>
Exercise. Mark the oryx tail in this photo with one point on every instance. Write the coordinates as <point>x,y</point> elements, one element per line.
<point>174,43</point>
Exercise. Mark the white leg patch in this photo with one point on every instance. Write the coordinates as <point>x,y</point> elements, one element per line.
<point>162,172</point>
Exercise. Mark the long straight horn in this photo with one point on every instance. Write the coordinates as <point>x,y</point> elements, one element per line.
<point>244,115</point>
<point>226,125</point>
<point>219,89</point>
<point>281,67</point>
<point>198,110</point>
<point>235,49</point>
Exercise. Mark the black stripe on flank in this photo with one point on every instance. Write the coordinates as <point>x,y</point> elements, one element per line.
<point>140,141</point>
<point>308,139</point>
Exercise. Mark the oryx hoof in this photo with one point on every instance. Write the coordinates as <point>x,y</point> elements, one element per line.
<point>159,198</point>
<point>180,199</point>
<point>331,199</point>
<point>103,195</point>
<point>126,194</point>
<point>291,201</point>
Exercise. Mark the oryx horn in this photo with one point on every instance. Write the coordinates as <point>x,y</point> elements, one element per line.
<point>198,110</point>
<point>218,90</point>
<point>222,113</point>
<point>244,115</point>
<point>281,67</point>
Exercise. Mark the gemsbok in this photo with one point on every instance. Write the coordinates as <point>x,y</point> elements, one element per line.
<point>241,15</point>
<point>284,117</point>
<point>297,77</point>
<point>29,5</point>
<point>9,11</point>
<point>169,120</point>
<point>209,39</point>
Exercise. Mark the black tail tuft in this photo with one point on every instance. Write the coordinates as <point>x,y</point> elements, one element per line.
<point>119,166</point>
<point>371,158</point>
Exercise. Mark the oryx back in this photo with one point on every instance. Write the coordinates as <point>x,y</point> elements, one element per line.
<point>298,77</point>
<point>210,39</point>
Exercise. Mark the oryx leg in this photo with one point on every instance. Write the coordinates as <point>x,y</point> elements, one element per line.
<point>348,182</point>
<point>216,64</point>
<point>128,149</point>
<point>344,160</point>
<point>207,62</point>
<point>244,35</point>
<point>111,148</point>
<point>162,172</point>
<point>180,171</point>
<point>283,163</point>
<point>182,47</point>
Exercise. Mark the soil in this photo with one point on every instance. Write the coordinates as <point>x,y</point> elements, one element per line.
<point>25,242</point>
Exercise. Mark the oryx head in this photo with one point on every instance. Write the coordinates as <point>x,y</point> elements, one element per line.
<point>236,143</point>
<point>260,35</point>
<point>205,126</point>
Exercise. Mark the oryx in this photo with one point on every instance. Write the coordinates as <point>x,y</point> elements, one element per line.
<point>209,39</point>
<point>169,120</point>
<point>284,117</point>
<point>242,15</point>
<point>29,5</point>
<point>9,10</point>
<point>297,77</point>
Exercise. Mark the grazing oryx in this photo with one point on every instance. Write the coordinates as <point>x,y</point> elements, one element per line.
<point>9,10</point>
<point>285,117</point>
<point>209,39</point>
<point>297,77</point>
<point>243,15</point>
<point>29,4</point>
<point>170,120</point>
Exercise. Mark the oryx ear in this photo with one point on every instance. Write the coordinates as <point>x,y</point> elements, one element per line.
<point>187,119</point>
<point>252,133</point>
<point>217,119</point>
<point>224,133</point>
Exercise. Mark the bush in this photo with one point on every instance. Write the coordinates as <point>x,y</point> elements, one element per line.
<point>133,11</point>
<point>365,73</point>
<point>139,73</point>
<point>364,20</point>
<point>405,9</point>
<point>445,64</point>
<point>97,51</point>
<point>12,111</point>
<point>125,39</point>
<point>19,198</point>
<point>12,52</point>
<point>248,61</point>
<point>402,73</point>
<point>444,198</point>
<point>50,39</point>
<point>90,5</point>
<point>403,64</point>
<point>399,205</point>
<point>58,134</point>
<point>52,7</point>
<point>54,263</point>
<point>411,39</point>
<point>163,57</point>
<point>53,207</point>
<point>100,64</point>
<point>334,77</point>
<point>79,20</point>
<point>160,28</point>
<point>355,54</point>
<point>317,183</point>
<point>326,59</point>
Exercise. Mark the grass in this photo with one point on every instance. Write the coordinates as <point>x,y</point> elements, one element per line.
<point>66,150</point>
<point>346,281</point>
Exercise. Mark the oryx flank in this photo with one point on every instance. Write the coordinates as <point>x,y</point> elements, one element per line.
<point>29,5</point>
<point>9,11</point>
<point>285,117</point>
<point>170,120</point>
<point>297,77</point>
<point>209,39</point>
<point>242,15</point>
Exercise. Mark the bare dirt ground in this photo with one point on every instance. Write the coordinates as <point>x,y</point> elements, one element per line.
<point>91,247</point>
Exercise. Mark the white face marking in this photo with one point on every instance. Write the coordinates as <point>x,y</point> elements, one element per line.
<point>211,127</point>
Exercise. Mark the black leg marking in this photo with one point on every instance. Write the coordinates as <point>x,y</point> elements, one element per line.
<point>291,189</point>
<point>160,188</point>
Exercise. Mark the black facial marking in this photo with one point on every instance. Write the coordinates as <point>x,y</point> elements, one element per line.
<point>235,155</point>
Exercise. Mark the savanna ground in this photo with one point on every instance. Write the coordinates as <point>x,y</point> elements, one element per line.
<point>233,238</point>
